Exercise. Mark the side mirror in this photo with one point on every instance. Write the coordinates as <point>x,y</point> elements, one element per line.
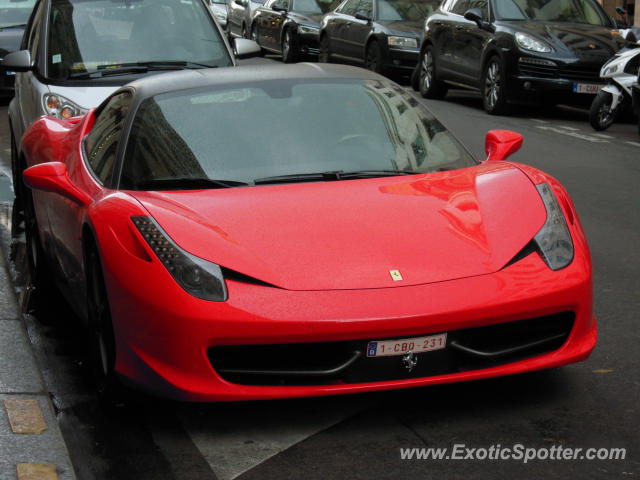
<point>475,15</point>
<point>19,61</point>
<point>362,16</point>
<point>620,11</point>
<point>500,144</point>
<point>52,177</point>
<point>244,48</point>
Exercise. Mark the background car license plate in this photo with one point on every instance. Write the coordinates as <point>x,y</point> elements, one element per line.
<point>586,88</point>
<point>387,348</point>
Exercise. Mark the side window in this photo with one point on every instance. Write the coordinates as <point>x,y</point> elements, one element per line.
<point>103,140</point>
<point>460,7</point>
<point>366,7</point>
<point>350,8</point>
<point>481,5</point>
<point>33,37</point>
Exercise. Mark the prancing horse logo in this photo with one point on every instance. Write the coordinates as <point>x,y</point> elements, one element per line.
<point>409,360</point>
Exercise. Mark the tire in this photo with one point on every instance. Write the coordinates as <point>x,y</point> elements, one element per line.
<point>493,88</point>
<point>373,58</point>
<point>41,291</point>
<point>289,47</point>
<point>324,50</point>
<point>100,329</point>
<point>16,171</point>
<point>254,37</point>
<point>428,85</point>
<point>600,115</point>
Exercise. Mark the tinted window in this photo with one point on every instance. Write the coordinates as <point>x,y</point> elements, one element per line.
<point>102,142</point>
<point>312,6</point>
<point>460,7</point>
<point>571,11</point>
<point>14,13</point>
<point>481,5</point>
<point>366,8</point>
<point>333,125</point>
<point>350,8</point>
<point>85,35</point>
<point>399,10</point>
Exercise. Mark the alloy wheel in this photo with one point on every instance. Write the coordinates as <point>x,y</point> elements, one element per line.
<point>492,85</point>
<point>426,72</point>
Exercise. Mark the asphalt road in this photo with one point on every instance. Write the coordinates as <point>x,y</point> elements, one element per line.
<point>591,404</point>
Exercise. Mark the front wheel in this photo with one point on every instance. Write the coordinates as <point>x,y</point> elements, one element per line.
<point>289,47</point>
<point>428,86</point>
<point>324,56</point>
<point>493,88</point>
<point>601,116</point>
<point>101,336</point>
<point>373,58</point>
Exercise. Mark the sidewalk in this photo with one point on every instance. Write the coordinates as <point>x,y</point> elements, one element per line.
<point>31,445</point>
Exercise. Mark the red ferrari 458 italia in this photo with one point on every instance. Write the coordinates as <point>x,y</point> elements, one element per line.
<point>289,231</point>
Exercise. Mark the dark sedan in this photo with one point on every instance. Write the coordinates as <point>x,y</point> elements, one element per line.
<point>384,35</point>
<point>13,18</point>
<point>289,27</point>
<point>517,51</point>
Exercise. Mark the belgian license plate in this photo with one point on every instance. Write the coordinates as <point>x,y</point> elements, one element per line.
<point>586,88</point>
<point>388,348</point>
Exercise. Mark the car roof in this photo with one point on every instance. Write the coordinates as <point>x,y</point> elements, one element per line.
<point>153,85</point>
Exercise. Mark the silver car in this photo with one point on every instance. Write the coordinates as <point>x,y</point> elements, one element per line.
<point>75,53</point>
<point>240,17</point>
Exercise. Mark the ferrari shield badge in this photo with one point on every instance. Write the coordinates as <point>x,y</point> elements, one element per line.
<point>396,275</point>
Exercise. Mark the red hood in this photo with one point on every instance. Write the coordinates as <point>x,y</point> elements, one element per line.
<point>350,234</point>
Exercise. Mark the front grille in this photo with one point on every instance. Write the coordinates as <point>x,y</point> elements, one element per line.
<point>539,71</point>
<point>588,74</point>
<point>326,363</point>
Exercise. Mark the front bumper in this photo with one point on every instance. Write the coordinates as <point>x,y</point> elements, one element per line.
<point>164,335</point>
<point>402,59</point>
<point>308,44</point>
<point>530,82</point>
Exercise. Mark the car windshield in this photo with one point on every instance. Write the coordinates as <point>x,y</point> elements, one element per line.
<point>88,35</point>
<point>322,126</point>
<point>572,11</point>
<point>15,12</point>
<point>405,10</point>
<point>312,6</point>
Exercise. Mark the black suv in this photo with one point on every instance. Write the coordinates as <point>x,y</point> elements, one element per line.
<point>517,51</point>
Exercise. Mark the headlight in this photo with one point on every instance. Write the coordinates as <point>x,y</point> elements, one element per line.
<point>529,43</point>
<point>554,239</point>
<point>610,70</point>
<point>403,42</point>
<point>308,29</point>
<point>196,276</point>
<point>60,107</point>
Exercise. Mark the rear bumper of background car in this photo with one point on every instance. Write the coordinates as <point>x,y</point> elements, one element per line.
<point>164,336</point>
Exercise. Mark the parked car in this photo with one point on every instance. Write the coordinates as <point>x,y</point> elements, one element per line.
<point>517,51</point>
<point>352,245</point>
<point>636,99</point>
<point>239,17</point>
<point>219,9</point>
<point>289,27</point>
<point>13,19</point>
<point>77,52</point>
<point>382,35</point>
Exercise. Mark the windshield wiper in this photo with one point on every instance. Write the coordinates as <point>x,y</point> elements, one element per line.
<point>17,25</point>
<point>331,175</point>
<point>187,183</point>
<point>139,67</point>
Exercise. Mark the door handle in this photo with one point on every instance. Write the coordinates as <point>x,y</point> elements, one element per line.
<point>459,27</point>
